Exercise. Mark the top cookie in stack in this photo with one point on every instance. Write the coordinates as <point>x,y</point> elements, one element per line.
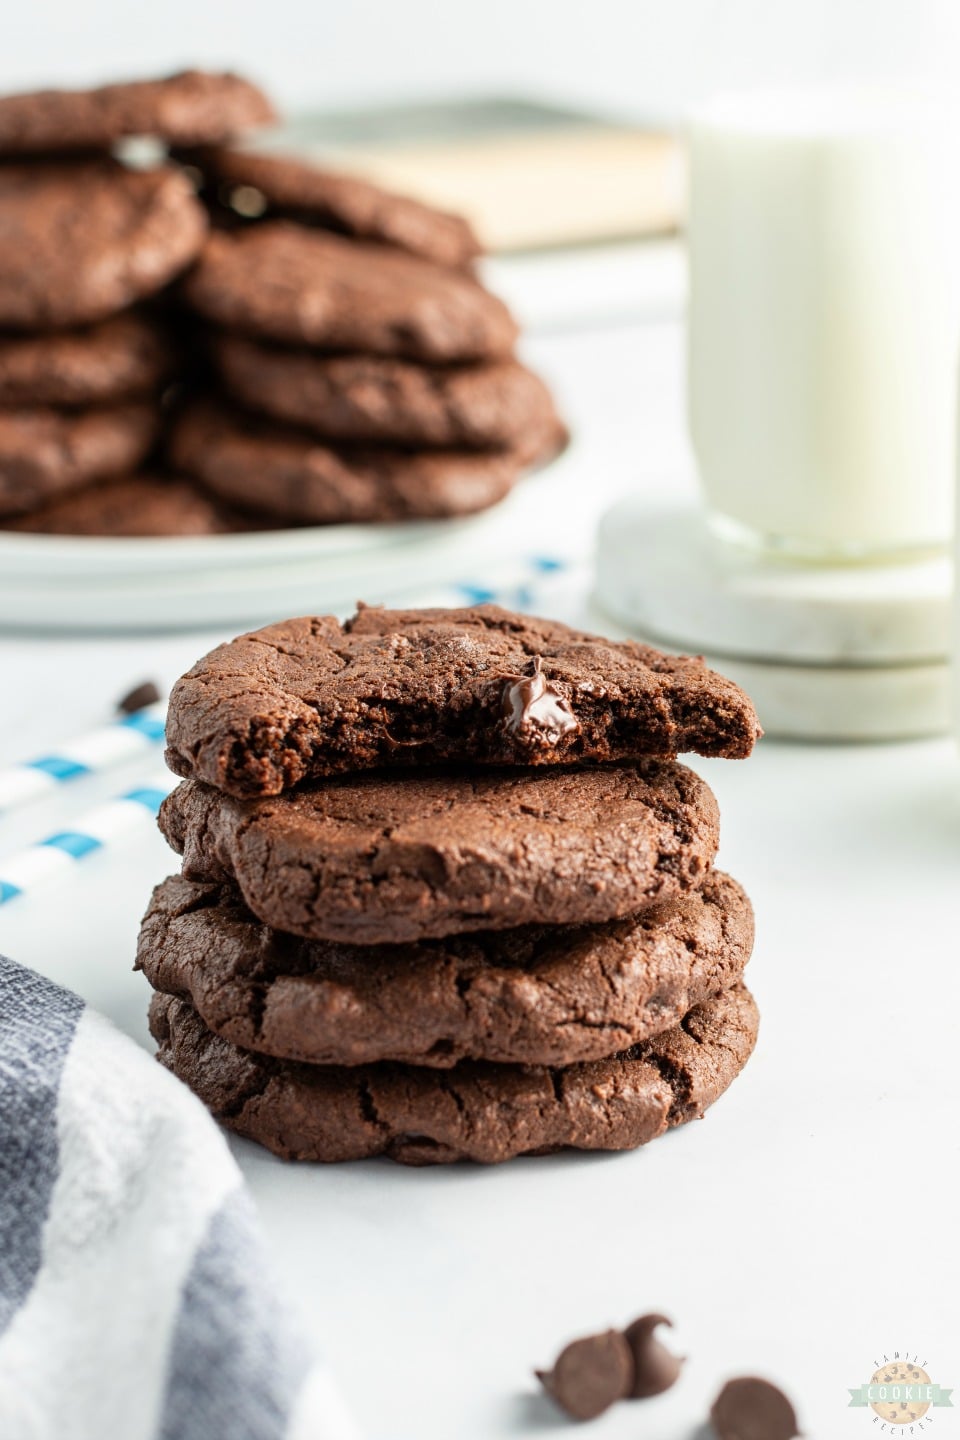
<point>446,891</point>
<point>353,367</point>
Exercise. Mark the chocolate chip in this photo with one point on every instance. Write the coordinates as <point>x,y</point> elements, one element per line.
<point>533,708</point>
<point>752,1409</point>
<point>590,1374</point>
<point>138,698</point>
<point>655,1367</point>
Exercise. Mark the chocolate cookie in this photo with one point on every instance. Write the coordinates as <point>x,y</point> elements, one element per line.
<point>312,697</point>
<point>136,505</point>
<point>377,398</point>
<point>192,108</point>
<point>476,1111</point>
<point>126,356</point>
<point>287,473</point>
<point>344,202</point>
<point>373,859</point>
<point>46,453</point>
<point>80,240</point>
<point>304,287</point>
<point>539,995</point>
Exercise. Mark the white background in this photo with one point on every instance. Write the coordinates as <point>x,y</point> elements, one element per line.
<point>638,56</point>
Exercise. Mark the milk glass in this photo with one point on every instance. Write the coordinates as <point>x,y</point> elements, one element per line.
<point>824,323</point>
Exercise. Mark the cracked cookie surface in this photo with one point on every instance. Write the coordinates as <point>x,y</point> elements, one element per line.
<point>371,859</point>
<point>83,239</point>
<point>194,107</point>
<point>398,688</point>
<point>538,995</point>
<point>476,1111</point>
<point>349,203</point>
<point>132,506</point>
<point>286,282</point>
<point>287,473</point>
<point>128,355</point>
<point>380,399</point>
<point>47,454</point>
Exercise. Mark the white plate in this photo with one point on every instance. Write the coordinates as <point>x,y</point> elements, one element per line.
<point>46,559</point>
<point>71,583</point>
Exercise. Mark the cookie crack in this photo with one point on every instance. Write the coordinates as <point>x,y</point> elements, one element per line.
<point>678,1082</point>
<point>368,1106</point>
<point>253,1089</point>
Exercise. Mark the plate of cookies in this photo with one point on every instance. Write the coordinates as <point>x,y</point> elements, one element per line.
<point>229,377</point>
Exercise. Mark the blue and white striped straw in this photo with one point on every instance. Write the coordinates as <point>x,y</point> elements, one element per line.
<point>126,738</point>
<point>96,830</point>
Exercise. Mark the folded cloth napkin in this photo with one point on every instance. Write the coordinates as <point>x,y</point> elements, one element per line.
<point>135,1299</point>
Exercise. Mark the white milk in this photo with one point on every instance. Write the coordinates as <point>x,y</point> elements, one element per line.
<point>824,323</point>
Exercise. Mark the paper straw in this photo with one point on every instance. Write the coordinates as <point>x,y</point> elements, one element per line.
<point>98,829</point>
<point>126,738</point>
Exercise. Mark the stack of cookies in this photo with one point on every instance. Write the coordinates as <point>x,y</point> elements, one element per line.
<point>87,245</point>
<point>369,375</point>
<point>446,891</point>
<point>232,340</point>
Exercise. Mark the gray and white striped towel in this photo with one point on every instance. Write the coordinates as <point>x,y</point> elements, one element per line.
<point>135,1300</point>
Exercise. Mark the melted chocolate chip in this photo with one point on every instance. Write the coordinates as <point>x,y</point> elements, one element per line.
<point>748,1408</point>
<point>590,1374</point>
<point>533,708</point>
<point>655,1367</point>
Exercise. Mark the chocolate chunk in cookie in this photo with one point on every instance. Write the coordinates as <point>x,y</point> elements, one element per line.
<point>285,282</point>
<point>45,454</point>
<point>192,108</point>
<point>83,239</point>
<point>347,203</point>
<point>134,506</point>
<point>395,688</point>
<point>122,358</point>
<point>476,1111</point>
<point>539,995</point>
<point>373,859</point>
<point>382,400</point>
<point>289,474</point>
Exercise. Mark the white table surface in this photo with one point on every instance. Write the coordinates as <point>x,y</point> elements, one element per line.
<point>803,1229</point>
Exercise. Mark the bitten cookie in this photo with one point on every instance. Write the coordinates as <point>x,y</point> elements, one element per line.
<point>476,1111</point>
<point>121,358</point>
<point>82,239</point>
<point>305,287</point>
<point>395,688</point>
<point>192,108</point>
<point>289,474</point>
<point>374,398</point>
<point>135,505</point>
<point>345,202</point>
<point>45,453</point>
<point>373,859</point>
<point>539,995</point>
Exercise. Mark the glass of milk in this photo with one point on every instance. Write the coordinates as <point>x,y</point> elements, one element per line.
<point>824,328</point>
